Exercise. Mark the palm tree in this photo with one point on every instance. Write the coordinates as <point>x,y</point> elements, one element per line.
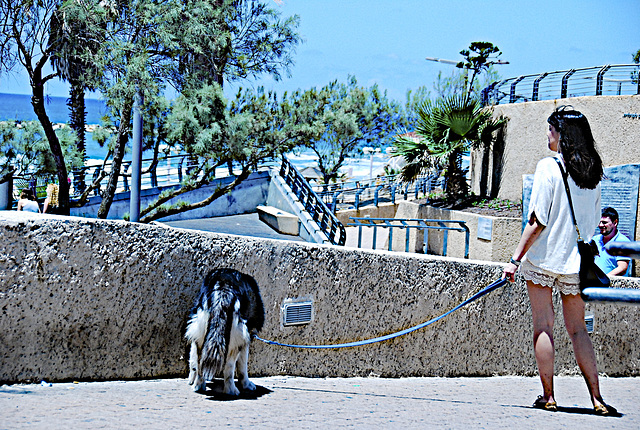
<point>446,129</point>
<point>69,37</point>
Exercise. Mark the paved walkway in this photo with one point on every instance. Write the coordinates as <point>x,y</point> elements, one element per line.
<point>305,403</point>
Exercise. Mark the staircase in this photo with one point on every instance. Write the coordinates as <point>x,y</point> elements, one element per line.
<point>313,205</point>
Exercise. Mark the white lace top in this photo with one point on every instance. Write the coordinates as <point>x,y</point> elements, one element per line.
<point>555,249</point>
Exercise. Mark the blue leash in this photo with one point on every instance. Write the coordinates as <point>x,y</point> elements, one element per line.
<point>493,286</point>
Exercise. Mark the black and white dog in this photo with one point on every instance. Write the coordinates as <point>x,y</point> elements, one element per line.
<point>229,308</point>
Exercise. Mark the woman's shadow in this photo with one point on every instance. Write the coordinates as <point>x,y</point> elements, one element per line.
<point>585,411</point>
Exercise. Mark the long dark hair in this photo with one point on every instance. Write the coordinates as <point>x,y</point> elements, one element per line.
<point>27,194</point>
<point>577,146</point>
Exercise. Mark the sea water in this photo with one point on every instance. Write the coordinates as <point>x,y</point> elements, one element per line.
<point>18,107</point>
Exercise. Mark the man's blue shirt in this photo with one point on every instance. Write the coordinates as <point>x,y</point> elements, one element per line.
<point>606,261</point>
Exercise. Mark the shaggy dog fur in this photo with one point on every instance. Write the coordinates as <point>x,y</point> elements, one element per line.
<point>229,309</point>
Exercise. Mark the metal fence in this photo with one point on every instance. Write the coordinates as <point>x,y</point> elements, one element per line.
<point>167,171</point>
<point>619,79</point>
<point>313,204</point>
<point>423,225</point>
<point>357,194</point>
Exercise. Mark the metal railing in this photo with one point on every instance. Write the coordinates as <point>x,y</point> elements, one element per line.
<point>168,171</point>
<point>356,194</point>
<point>408,224</point>
<point>619,79</point>
<point>313,204</point>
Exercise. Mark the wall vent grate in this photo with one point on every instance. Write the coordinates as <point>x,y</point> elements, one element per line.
<point>297,313</point>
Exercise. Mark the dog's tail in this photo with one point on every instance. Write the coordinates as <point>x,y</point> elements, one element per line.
<point>210,328</point>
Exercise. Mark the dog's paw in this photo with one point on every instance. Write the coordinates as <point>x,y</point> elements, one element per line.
<point>199,385</point>
<point>200,388</point>
<point>231,389</point>
<point>248,385</point>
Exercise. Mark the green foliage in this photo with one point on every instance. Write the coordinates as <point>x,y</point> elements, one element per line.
<point>497,204</point>
<point>196,123</point>
<point>478,58</point>
<point>455,84</point>
<point>253,127</point>
<point>447,128</point>
<point>635,75</point>
<point>260,41</point>
<point>415,99</point>
<point>25,149</point>
<point>352,117</point>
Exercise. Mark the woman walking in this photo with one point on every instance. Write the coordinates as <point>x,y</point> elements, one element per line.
<point>547,255</point>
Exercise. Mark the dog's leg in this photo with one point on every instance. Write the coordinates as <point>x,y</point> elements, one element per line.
<point>193,363</point>
<point>228,374</point>
<point>195,370</point>
<point>243,374</point>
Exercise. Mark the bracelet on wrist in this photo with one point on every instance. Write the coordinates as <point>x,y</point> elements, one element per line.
<point>515,262</point>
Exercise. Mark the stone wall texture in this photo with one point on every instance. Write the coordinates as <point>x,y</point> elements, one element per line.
<point>617,137</point>
<point>86,299</point>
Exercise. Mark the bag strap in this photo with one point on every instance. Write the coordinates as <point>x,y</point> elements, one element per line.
<point>566,187</point>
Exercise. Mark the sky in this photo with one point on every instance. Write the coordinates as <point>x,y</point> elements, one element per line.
<point>385,42</point>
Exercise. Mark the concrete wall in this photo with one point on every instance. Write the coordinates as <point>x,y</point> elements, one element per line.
<point>87,299</point>
<point>244,198</point>
<point>505,234</point>
<point>384,210</point>
<point>617,137</point>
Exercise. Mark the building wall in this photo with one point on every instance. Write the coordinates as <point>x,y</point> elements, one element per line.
<point>617,135</point>
<point>86,299</point>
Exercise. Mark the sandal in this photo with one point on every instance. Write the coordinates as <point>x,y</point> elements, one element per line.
<point>541,403</point>
<point>605,410</point>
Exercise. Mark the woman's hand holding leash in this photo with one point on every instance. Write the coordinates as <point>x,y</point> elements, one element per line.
<point>509,272</point>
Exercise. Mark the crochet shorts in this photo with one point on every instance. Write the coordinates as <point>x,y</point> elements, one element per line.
<point>566,284</point>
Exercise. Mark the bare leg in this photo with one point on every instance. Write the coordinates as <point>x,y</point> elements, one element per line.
<point>573,310</point>
<point>543,316</point>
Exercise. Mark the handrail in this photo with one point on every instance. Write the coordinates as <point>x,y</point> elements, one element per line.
<point>351,193</point>
<point>420,224</point>
<point>313,204</point>
<point>619,79</point>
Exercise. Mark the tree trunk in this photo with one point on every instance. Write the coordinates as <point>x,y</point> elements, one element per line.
<point>77,121</point>
<point>37,101</point>
<point>123,138</point>
<point>456,183</point>
<point>484,169</point>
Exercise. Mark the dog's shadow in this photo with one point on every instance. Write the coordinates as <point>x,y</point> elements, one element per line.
<point>214,392</point>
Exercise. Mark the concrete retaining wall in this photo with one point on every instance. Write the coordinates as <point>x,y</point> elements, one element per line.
<point>242,199</point>
<point>617,136</point>
<point>505,234</point>
<point>87,299</point>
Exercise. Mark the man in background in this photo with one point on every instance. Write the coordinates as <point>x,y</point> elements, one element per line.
<point>611,265</point>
